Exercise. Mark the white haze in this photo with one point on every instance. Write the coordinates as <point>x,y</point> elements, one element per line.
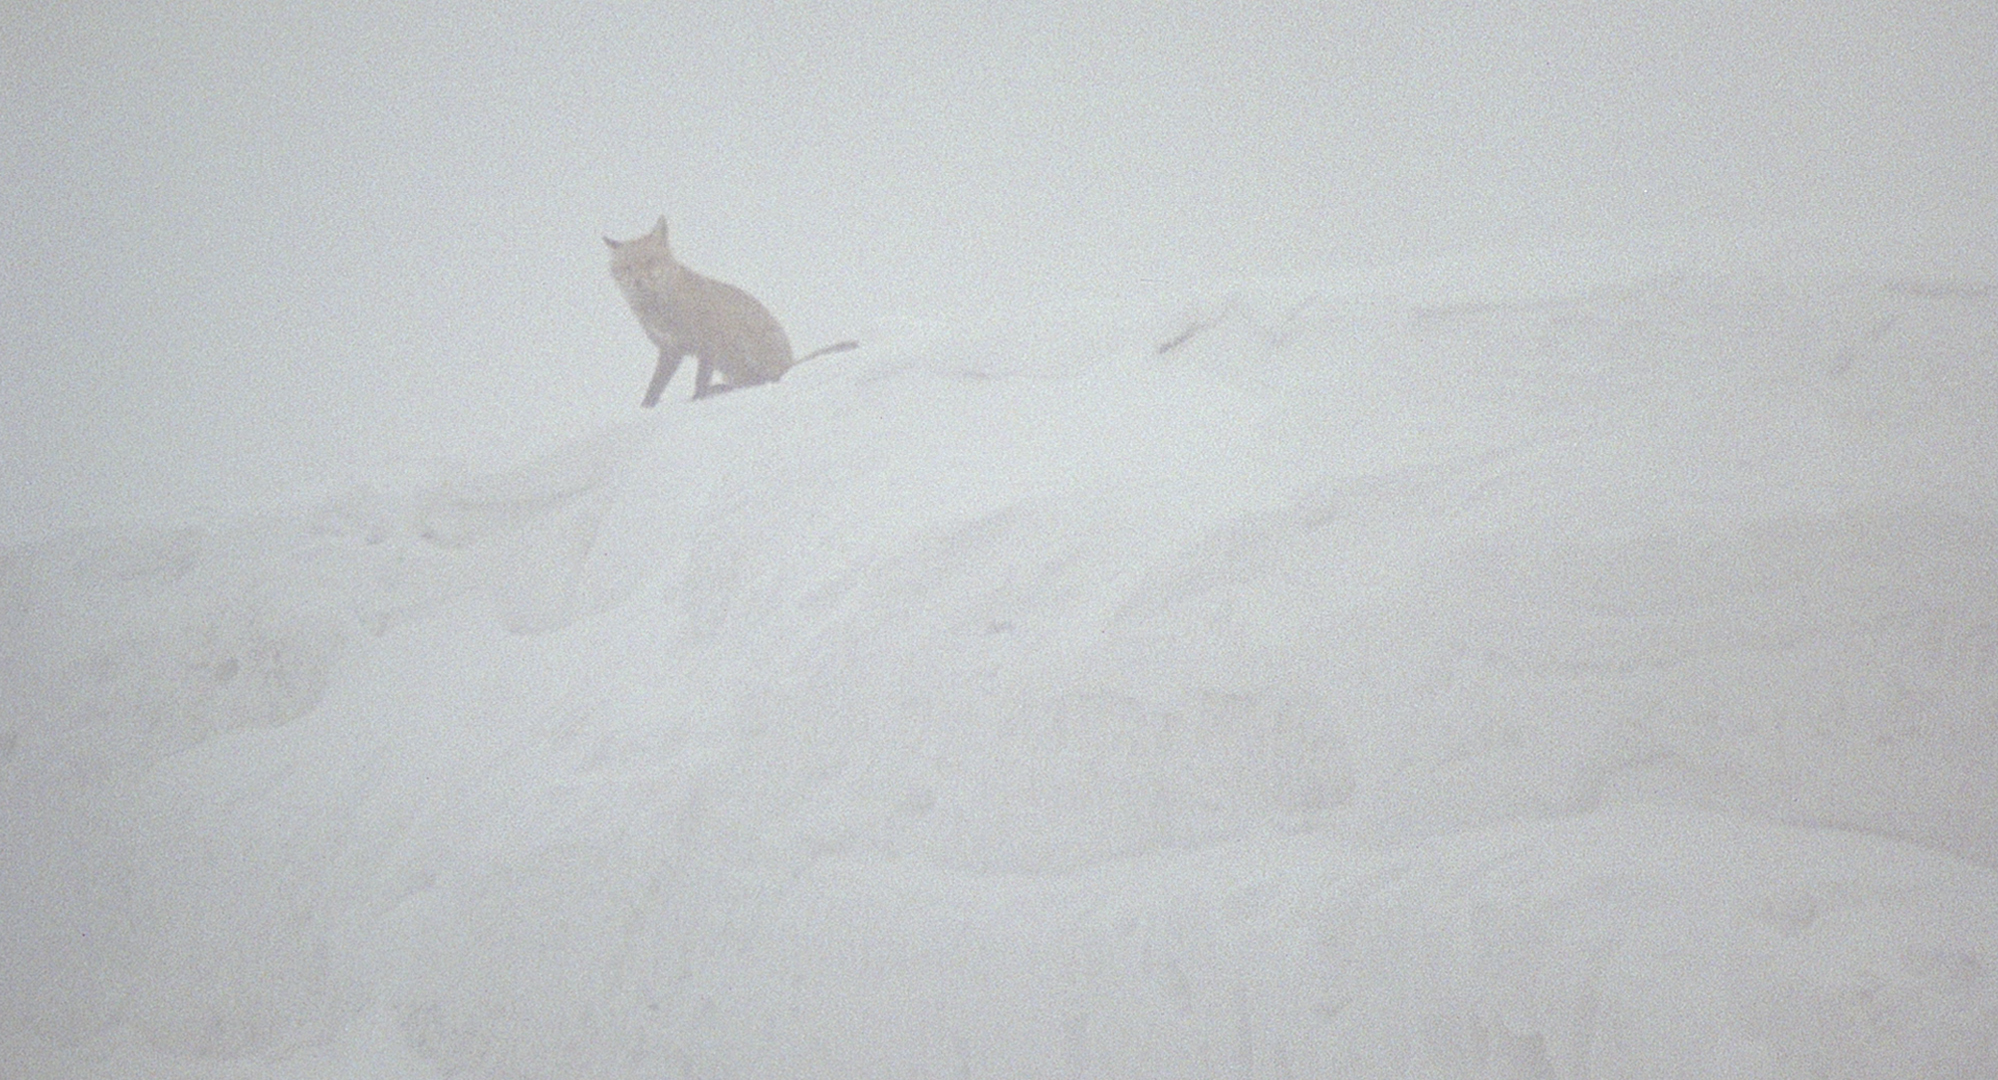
<point>253,251</point>
<point>1535,619</point>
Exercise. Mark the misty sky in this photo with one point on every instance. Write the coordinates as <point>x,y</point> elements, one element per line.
<point>255,250</point>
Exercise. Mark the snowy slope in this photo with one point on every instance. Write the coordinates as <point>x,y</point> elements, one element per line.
<point>1594,683</point>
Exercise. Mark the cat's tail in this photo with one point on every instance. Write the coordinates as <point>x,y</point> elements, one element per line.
<point>840,346</point>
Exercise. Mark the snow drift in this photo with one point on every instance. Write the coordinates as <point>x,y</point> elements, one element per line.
<point>1309,683</point>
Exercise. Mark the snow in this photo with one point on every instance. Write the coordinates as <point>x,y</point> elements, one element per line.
<point>1567,672</point>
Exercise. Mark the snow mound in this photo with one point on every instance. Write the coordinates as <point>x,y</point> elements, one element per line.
<point>1311,682</point>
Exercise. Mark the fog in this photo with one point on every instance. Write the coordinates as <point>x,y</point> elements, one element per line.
<point>1437,540</point>
<point>253,250</point>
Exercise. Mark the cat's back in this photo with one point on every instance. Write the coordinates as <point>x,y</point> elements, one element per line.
<point>747,342</point>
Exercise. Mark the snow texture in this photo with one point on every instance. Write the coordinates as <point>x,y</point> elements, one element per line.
<point>1283,680</point>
